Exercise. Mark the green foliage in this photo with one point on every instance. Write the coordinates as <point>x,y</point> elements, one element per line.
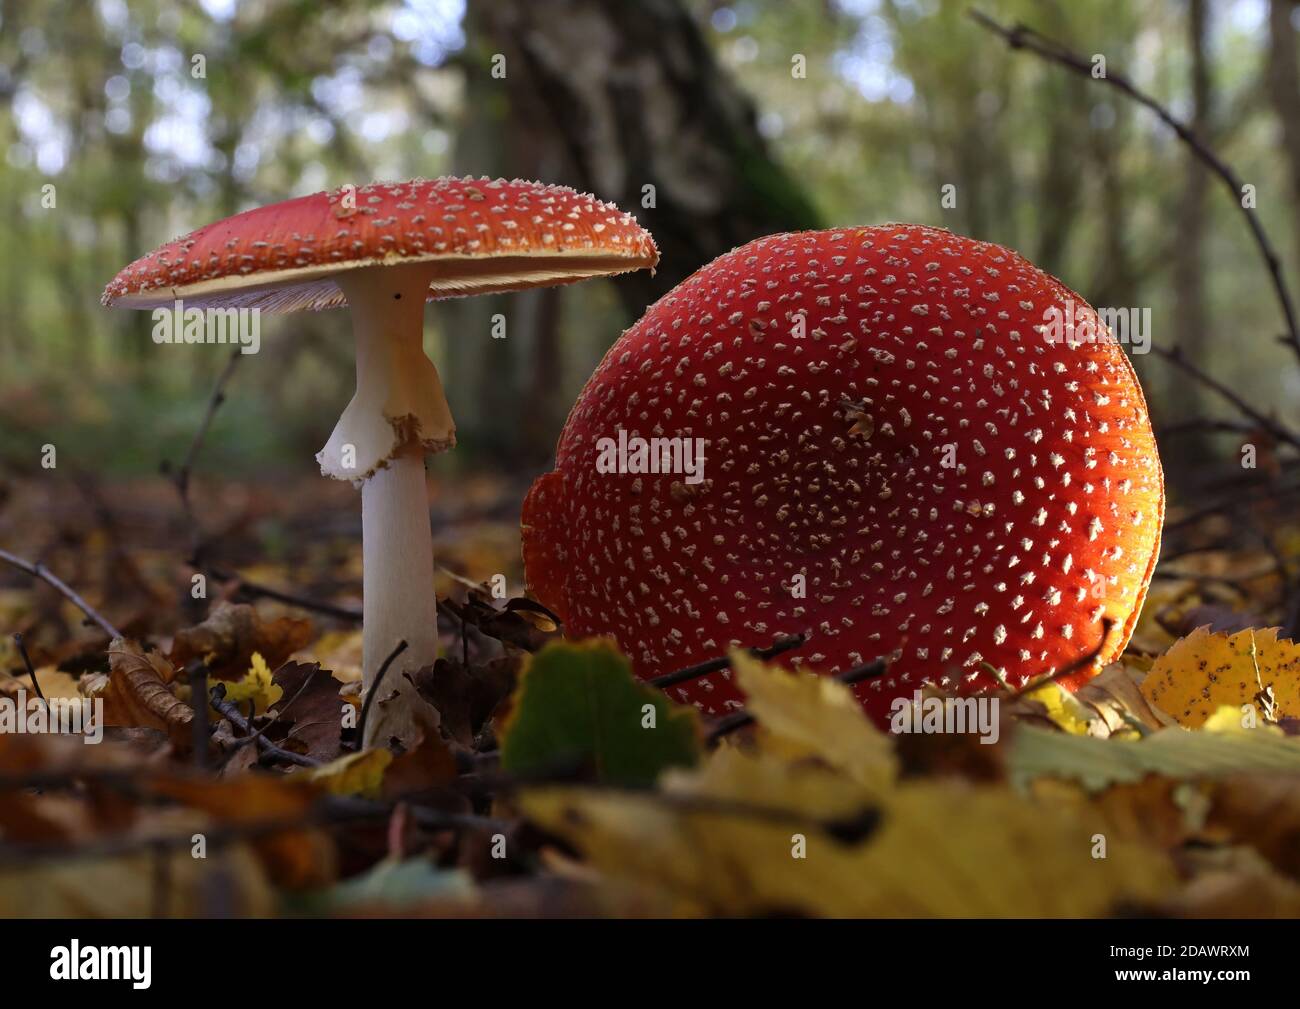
<point>578,704</point>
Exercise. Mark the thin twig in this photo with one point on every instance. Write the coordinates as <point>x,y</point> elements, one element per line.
<point>40,571</point>
<point>198,680</point>
<point>328,811</point>
<point>776,648</point>
<point>1023,37</point>
<point>374,689</point>
<point>1084,660</point>
<point>1176,357</point>
<point>280,712</point>
<point>180,477</point>
<point>256,590</point>
<point>27,661</point>
<point>228,708</point>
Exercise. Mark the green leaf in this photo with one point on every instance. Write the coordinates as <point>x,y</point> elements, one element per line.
<point>578,703</point>
<point>1174,752</point>
<point>396,885</point>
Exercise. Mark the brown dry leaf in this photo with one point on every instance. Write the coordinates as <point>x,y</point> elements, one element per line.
<point>293,858</point>
<point>1233,883</point>
<point>230,636</point>
<point>1116,695</point>
<point>1164,812</point>
<point>518,624</point>
<point>312,712</point>
<point>62,754</point>
<point>229,882</point>
<point>429,764</point>
<point>728,840</point>
<point>1262,811</point>
<point>35,819</point>
<point>137,693</point>
<point>466,697</point>
<point>1203,672</point>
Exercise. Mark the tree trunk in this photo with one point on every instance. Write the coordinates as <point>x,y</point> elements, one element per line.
<point>1191,305</point>
<point>643,115</point>
<point>1284,93</point>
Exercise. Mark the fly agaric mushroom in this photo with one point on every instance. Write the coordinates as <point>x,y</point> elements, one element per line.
<point>383,250</point>
<point>900,460</point>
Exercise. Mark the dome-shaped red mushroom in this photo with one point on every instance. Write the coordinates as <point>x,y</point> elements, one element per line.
<point>900,458</point>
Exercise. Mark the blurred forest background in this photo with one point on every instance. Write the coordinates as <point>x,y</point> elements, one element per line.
<point>125,123</point>
<point>697,98</point>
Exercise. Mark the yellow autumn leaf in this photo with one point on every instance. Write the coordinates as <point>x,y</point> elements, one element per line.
<point>1204,672</point>
<point>256,686</point>
<point>749,835</point>
<point>1241,719</point>
<point>355,774</point>
<point>818,716</point>
<point>53,683</point>
<point>1062,709</point>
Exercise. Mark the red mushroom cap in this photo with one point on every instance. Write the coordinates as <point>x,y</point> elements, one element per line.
<point>885,416</point>
<point>483,235</point>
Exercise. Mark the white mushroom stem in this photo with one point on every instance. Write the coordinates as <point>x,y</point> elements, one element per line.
<point>399,414</point>
<point>398,602</point>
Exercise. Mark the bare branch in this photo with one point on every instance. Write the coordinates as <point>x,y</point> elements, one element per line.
<point>40,571</point>
<point>1023,37</point>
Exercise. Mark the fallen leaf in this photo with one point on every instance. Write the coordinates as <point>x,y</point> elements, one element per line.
<point>1203,672</point>
<point>227,640</point>
<point>310,715</point>
<point>229,882</point>
<point>428,765</point>
<point>818,714</point>
<point>1263,811</point>
<point>466,696</point>
<point>1061,708</point>
<point>947,850</point>
<point>1174,752</point>
<point>356,774</point>
<point>137,694</point>
<point>396,886</point>
<point>256,686</point>
<point>578,705</point>
<point>1233,883</point>
<point>53,683</point>
<point>1116,695</point>
<point>293,857</point>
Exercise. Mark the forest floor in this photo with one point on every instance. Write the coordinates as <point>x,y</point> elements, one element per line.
<point>1170,784</point>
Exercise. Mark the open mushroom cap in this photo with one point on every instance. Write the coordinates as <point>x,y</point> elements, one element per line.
<point>898,461</point>
<point>478,236</point>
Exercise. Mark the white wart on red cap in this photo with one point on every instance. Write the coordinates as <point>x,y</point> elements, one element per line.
<point>480,235</point>
<point>828,457</point>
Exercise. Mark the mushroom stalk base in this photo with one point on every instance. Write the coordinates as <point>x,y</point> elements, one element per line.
<point>398,415</point>
<point>399,603</point>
